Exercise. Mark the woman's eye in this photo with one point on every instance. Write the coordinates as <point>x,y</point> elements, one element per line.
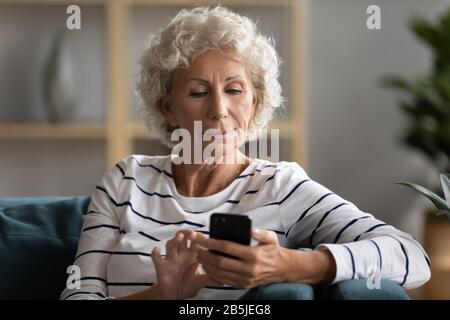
<point>198,94</point>
<point>234,91</point>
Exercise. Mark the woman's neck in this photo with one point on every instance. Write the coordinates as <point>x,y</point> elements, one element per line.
<point>201,180</point>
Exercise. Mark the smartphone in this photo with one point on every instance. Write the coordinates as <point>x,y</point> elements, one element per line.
<point>231,227</point>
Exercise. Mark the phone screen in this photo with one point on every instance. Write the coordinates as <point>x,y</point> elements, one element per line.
<point>231,227</point>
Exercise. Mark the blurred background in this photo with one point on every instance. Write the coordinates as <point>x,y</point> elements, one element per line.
<point>68,110</point>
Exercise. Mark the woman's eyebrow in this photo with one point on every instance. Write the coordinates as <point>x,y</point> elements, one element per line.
<point>207,82</point>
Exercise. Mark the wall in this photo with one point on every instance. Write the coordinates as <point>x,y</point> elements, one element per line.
<point>355,124</point>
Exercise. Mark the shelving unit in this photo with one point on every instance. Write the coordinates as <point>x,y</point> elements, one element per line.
<point>120,130</point>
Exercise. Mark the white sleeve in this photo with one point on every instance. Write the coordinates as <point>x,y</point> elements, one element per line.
<point>100,233</point>
<point>361,245</point>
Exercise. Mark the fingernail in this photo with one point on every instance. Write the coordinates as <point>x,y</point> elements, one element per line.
<point>256,230</point>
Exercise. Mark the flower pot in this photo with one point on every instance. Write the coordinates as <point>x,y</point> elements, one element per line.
<point>437,245</point>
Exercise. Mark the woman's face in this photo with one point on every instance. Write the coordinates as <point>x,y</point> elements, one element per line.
<point>215,89</point>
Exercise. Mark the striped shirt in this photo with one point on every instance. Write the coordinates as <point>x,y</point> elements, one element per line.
<point>136,206</point>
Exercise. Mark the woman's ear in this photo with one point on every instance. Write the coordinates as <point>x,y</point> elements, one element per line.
<point>165,107</point>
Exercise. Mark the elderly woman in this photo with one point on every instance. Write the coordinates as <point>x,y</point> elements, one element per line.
<point>145,235</point>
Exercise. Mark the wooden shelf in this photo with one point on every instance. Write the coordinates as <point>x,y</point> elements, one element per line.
<point>119,131</point>
<point>252,3</point>
<point>52,2</point>
<point>165,3</point>
<point>48,131</point>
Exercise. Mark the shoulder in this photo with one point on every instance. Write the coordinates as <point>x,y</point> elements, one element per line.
<point>282,171</point>
<point>152,164</point>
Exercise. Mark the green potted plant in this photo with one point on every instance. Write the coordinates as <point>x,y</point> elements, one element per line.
<point>437,241</point>
<point>442,205</point>
<point>426,104</point>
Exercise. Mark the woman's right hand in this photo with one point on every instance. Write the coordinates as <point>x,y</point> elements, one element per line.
<point>179,274</point>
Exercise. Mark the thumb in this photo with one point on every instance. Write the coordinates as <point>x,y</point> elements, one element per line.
<point>264,236</point>
<point>156,257</point>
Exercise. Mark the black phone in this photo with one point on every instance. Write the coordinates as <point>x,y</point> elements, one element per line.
<point>231,227</point>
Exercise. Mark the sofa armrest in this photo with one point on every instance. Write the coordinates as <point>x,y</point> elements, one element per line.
<point>357,290</point>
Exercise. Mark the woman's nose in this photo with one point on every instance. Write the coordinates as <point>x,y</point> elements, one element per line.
<point>218,107</point>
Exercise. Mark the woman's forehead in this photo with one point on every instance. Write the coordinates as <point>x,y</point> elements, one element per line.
<point>228,66</point>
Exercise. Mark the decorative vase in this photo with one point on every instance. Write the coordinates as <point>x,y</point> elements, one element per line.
<point>58,82</point>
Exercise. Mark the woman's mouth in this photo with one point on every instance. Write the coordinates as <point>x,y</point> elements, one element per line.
<point>216,132</point>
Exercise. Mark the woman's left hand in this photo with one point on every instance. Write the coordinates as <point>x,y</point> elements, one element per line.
<point>255,266</point>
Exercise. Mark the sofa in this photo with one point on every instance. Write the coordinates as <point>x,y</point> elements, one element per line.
<point>39,237</point>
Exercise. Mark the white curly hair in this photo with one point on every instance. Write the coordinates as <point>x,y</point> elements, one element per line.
<point>192,32</point>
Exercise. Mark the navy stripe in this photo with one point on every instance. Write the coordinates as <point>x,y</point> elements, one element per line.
<point>91,251</point>
<point>307,210</point>
<point>120,168</point>
<point>152,166</point>
<point>222,288</point>
<point>93,211</point>
<point>245,175</point>
<point>348,225</point>
<point>102,226</point>
<point>172,197</point>
<point>148,236</point>
<point>198,212</point>
<point>148,284</point>
<point>317,202</point>
<point>149,193</point>
<point>131,253</point>
<point>323,219</point>
<point>127,203</point>
<point>194,212</point>
<point>379,253</point>
<point>93,278</point>
<point>370,229</point>
<point>84,292</point>
<point>353,261</point>
<point>406,263</point>
<point>257,170</point>
<point>123,284</point>
<point>288,195</point>
<point>427,260</point>
<point>277,232</point>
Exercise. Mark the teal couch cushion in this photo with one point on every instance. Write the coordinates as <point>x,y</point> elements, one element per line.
<point>38,240</point>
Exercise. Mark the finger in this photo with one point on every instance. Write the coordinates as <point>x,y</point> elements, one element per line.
<point>156,258</point>
<point>187,243</point>
<point>200,235</point>
<point>172,246</point>
<point>264,236</point>
<point>221,262</point>
<point>238,250</point>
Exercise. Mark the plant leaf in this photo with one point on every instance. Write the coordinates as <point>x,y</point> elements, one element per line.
<point>440,203</point>
<point>445,181</point>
